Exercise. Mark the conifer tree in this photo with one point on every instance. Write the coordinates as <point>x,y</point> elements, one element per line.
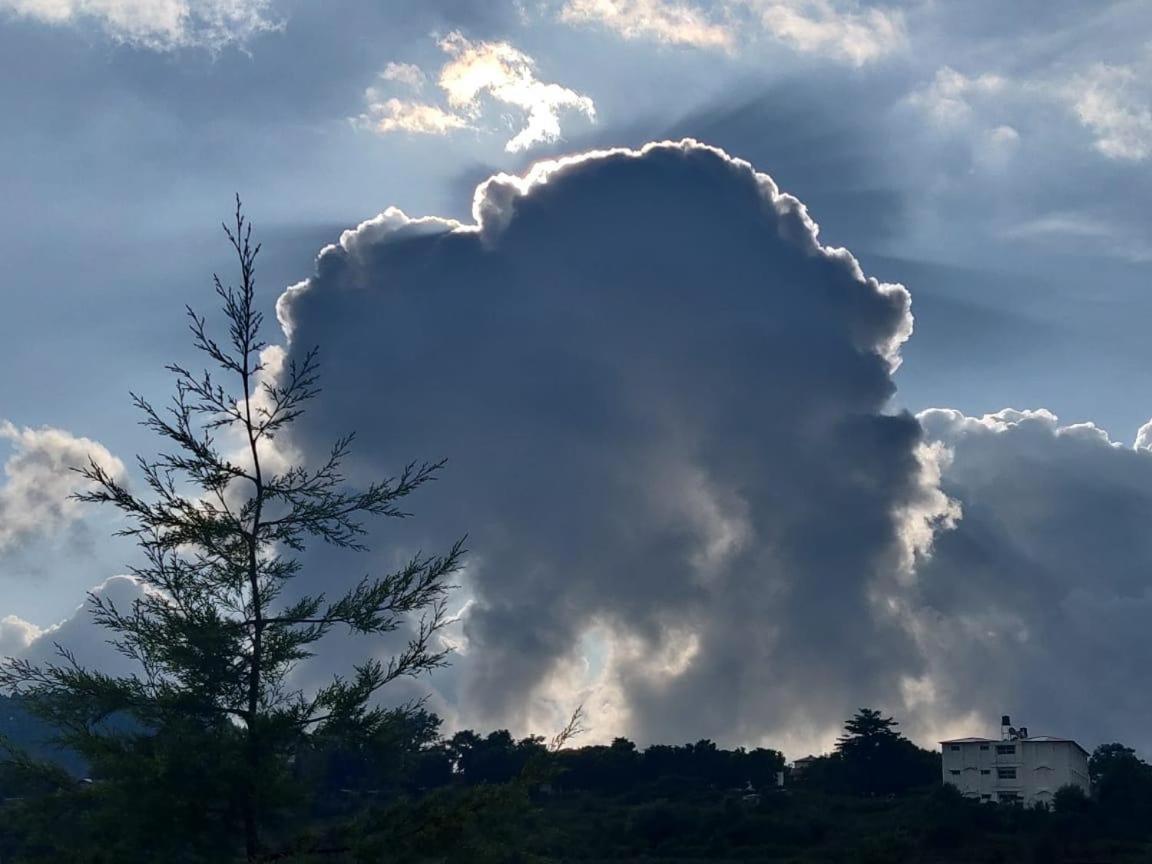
<point>214,636</point>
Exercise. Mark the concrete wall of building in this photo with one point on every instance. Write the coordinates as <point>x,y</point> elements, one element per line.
<point>1025,770</point>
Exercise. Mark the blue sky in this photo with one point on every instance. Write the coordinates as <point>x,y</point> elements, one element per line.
<point>993,161</point>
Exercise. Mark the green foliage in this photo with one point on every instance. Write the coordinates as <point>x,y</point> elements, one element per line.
<point>1071,800</point>
<point>194,748</point>
<point>599,803</point>
<point>1122,785</point>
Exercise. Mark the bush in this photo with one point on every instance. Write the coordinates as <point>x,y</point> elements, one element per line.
<point>1071,799</point>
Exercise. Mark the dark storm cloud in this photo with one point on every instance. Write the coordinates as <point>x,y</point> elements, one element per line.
<point>663,405</point>
<point>668,417</point>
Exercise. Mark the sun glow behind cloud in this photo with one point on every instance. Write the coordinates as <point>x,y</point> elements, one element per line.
<point>476,75</point>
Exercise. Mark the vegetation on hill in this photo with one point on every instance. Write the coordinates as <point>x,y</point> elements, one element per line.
<point>409,794</point>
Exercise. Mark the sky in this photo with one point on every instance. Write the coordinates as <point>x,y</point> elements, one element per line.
<point>788,356</point>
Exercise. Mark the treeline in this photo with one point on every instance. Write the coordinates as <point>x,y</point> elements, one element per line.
<point>407,793</point>
<point>405,788</point>
<point>407,756</point>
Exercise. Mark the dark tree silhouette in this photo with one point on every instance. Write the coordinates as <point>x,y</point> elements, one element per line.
<point>872,758</point>
<point>1121,782</point>
<point>869,728</point>
<point>213,636</point>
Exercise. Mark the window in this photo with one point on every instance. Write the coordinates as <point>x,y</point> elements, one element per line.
<point>1006,773</point>
<point>954,747</point>
<point>983,746</point>
<point>1005,749</point>
<point>985,797</point>
<point>985,771</point>
<point>954,772</point>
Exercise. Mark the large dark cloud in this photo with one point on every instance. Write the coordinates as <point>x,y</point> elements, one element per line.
<point>664,408</point>
<point>668,415</point>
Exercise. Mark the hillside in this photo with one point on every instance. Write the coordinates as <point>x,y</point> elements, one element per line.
<point>411,796</point>
<point>796,827</point>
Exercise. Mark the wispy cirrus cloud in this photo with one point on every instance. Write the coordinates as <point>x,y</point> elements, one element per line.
<point>160,25</point>
<point>476,75</point>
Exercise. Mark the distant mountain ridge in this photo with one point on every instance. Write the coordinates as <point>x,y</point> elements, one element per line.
<point>28,733</point>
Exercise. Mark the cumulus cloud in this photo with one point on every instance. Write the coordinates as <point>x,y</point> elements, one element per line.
<point>947,99</point>
<point>667,21</point>
<point>408,74</point>
<point>157,24</point>
<point>1114,103</point>
<point>508,76</point>
<point>838,30</point>
<point>663,402</point>
<point>667,417</point>
<point>476,74</point>
<point>38,481</point>
<point>400,115</point>
<point>16,635</point>
<point>1037,603</point>
<point>995,148</point>
<point>78,633</point>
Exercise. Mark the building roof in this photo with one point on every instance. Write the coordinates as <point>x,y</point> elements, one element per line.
<point>968,741</point>
<point>1038,739</point>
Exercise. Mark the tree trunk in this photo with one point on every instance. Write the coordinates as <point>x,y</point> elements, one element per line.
<point>251,832</point>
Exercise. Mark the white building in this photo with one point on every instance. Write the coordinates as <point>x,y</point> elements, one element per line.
<point>1017,767</point>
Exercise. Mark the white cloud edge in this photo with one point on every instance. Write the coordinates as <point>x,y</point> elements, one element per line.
<point>491,210</point>
<point>475,74</point>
